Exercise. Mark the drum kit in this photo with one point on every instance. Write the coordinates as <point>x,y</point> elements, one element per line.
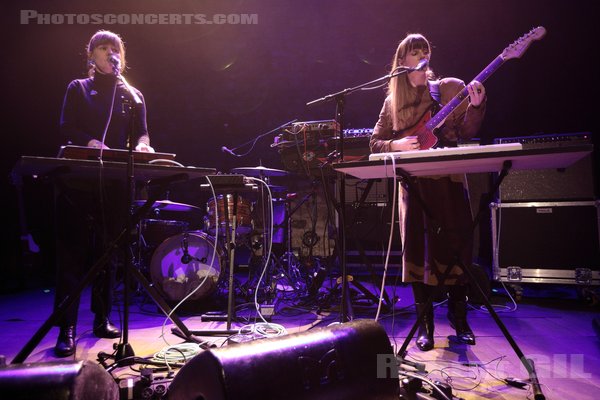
<point>177,257</point>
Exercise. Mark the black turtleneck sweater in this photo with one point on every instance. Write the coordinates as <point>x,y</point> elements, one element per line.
<point>86,107</point>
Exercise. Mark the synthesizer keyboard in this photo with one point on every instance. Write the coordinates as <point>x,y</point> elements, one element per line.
<point>446,151</point>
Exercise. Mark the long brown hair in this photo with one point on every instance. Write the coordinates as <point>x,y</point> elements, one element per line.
<point>105,37</point>
<point>398,88</point>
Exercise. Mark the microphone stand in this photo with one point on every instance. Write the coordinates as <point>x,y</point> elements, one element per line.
<point>124,351</point>
<point>346,313</point>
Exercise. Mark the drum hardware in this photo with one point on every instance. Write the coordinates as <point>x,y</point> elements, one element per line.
<point>290,266</point>
<point>285,273</point>
<point>288,272</point>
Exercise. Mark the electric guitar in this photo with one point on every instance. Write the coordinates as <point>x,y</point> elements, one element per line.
<point>424,129</point>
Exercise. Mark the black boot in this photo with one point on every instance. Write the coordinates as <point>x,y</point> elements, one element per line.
<point>65,344</point>
<point>426,326</point>
<point>457,314</point>
<point>421,293</point>
<point>103,328</point>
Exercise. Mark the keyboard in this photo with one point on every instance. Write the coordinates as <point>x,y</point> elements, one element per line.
<point>446,151</point>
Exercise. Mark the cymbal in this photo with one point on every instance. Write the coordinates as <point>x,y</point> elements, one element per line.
<point>167,205</point>
<point>259,171</point>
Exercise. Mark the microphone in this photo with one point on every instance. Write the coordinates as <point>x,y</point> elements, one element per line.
<point>226,150</point>
<point>116,63</point>
<point>421,65</point>
<point>185,258</point>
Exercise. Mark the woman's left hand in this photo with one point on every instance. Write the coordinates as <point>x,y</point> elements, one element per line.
<point>476,93</point>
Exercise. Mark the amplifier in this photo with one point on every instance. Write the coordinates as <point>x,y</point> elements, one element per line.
<point>573,183</point>
<point>370,191</point>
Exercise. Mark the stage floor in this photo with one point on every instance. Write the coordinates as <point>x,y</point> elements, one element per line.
<point>557,333</point>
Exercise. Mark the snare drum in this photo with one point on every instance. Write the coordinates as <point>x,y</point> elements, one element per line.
<point>244,223</point>
<point>175,277</point>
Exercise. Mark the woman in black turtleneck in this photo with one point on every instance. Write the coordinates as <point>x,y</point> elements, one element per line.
<point>97,112</point>
<point>86,109</point>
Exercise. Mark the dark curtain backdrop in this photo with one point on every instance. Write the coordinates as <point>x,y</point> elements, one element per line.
<point>208,86</point>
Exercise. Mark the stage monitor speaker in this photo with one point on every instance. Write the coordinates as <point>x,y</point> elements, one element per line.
<point>66,380</point>
<point>342,361</point>
<point>573,183</point>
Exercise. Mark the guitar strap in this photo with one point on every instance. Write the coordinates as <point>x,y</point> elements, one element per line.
<point>434,90</point>
<point>436,106</point>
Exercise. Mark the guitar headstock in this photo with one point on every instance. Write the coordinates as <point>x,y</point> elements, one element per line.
<point>518,47</point>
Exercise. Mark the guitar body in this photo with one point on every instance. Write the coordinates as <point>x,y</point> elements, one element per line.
<point>423,132</point>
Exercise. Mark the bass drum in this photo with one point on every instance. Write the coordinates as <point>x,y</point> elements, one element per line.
<point>185,261</point>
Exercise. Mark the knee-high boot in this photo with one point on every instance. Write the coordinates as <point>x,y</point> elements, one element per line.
<point>457,313</point>
<point>421,293</point>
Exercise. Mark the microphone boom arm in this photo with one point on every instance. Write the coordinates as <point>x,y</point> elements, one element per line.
<point>342,93</point>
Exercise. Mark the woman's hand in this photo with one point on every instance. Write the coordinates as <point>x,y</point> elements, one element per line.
<point>96,144</point>
<point>476,93</point>
<point>405,144</point>
<point>143,147</point>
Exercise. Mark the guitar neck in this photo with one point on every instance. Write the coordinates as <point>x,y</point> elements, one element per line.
<point>439,118</point>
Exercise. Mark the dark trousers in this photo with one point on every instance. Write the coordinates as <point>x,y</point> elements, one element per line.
<point>85,224</point>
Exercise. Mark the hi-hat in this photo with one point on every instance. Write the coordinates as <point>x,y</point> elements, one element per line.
<point>259,171</point>
<point>167,205</point>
